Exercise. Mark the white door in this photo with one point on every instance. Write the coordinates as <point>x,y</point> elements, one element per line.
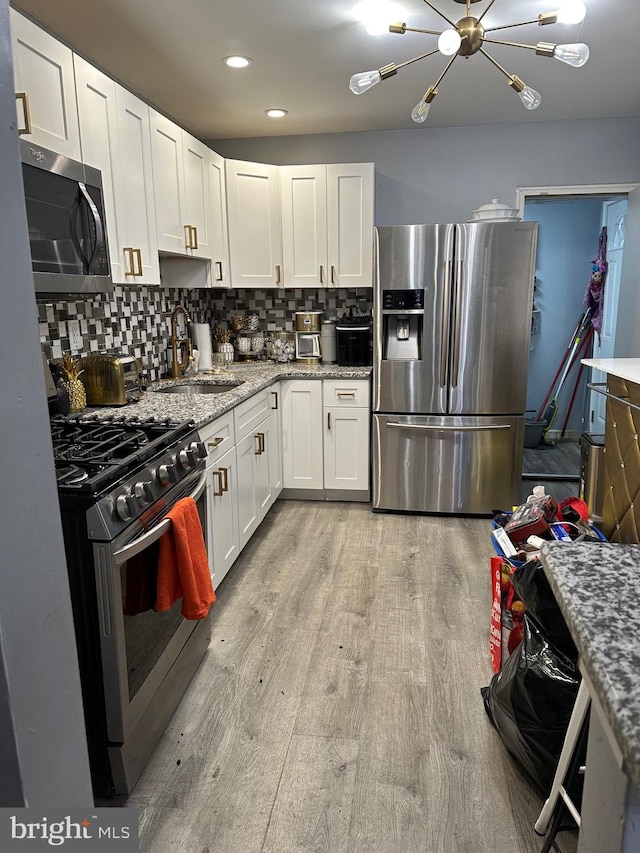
<point>302,455</point>
<point>346,448</point>
<point>350,206</point>
<point>246,451</point>
<point>221,274</point>
<point>45,88</point>
<point>266,445</point>
<point>614,217</point>
<point>197,203</point>
<point>222,508</point>
<point>168,184</point>
<point>303,195</point>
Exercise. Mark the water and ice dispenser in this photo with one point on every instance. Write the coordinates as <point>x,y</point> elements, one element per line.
<point>402,321</point>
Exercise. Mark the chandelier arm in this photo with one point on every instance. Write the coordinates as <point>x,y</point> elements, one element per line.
<point>449,64</point>
<point>416,58</point>
<point>484,13</point>
<point>438,12</point>
<point>511,44</point>
<point>406,29</point>
<point>508,26</point>
<point>496,63</point>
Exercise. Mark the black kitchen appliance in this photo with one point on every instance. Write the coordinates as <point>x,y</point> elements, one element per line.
<point>117,479</point>
<point>354,341</point>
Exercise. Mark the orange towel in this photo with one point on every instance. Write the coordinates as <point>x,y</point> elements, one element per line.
<point>183,566</point>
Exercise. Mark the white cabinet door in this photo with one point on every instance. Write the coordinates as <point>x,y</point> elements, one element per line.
<point>114,131</point>
<point>45,88</point>
<point>248,511</point>
<point>255,237</point>
<point>350,211</point>
<point>135,210</point>
<point>275,444</point>
<point>98,119</point>
<point>346,448</point>
<point>220,272</point>
<point>303,196</point>
<point>266,447</point>
<point>197,210</point>
<point>302,454</point>
<point>168,184</point>
<point>222,508</point>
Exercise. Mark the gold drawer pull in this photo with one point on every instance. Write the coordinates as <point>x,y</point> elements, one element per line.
<point>26,113</point>
<point>342,394</point>
<point>275,395</point>
<point>194,229</point>
<point>218,493</point>
<point>277,273</point>
<point>219,275</point>
<point>138,255</point>
<point>129,253</point>
<point>225,479</point>
<point>216,441</point>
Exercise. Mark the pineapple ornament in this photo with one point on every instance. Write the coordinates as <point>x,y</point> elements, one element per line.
<point>73,384</point>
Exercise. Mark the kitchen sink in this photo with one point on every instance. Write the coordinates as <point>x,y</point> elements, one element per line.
<point>194,388</point>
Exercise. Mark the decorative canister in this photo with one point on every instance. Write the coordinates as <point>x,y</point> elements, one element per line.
<point>226,349</point>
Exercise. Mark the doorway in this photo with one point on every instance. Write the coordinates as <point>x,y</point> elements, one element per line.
<point>571,219</point>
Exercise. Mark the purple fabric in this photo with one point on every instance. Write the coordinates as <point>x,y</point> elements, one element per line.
<point>593,297</point>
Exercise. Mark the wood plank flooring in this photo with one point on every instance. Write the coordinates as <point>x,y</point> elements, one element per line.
<point>338,708</point>
<point>562,458</point>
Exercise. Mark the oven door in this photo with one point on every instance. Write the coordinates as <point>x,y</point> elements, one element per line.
<point>139,650</point>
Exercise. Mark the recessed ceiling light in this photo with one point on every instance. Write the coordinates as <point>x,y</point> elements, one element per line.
<point>237,61</point>
<point>276,113</point>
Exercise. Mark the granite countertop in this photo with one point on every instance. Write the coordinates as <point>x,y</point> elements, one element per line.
<point>203,408</point>
<point>624,368</point>
<point>597,587</point>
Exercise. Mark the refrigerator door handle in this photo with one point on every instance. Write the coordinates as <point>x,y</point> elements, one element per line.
<point>444,327</point>
<point>456,321</point>
<point>435,428</point>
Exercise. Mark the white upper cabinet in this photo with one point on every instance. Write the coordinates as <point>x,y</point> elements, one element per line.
<point>45,88</point>
<point>327,225</point>
<point>220,271</point>
<point>350,212</point>
<point>255,236</point>
<point>114,131</point>
<point>181,185</point>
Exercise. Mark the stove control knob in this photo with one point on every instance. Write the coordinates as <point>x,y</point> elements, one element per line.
<point>199,449</point>
<point>125,507</point>
<point>143,492</point>
<point>166,475</point>
<point>187,459</point>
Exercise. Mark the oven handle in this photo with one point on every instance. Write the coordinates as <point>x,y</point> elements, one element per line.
<point>155,533</point>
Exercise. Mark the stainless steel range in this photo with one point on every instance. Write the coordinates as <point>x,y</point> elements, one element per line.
<point>117,479</point>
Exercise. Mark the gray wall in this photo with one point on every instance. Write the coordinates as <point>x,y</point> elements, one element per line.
<point>442,174</point>
<point>43,757</point>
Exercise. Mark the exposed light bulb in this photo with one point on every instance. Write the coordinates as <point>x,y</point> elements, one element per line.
<point>572,54</point>
<point>449,42</point>
<point>420,112</point>
<point>359,83</point>
<point>530,98</point>
<point>376,15</point>
<point>572,12</point>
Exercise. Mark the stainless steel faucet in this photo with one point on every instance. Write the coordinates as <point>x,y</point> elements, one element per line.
<point>177,344</point>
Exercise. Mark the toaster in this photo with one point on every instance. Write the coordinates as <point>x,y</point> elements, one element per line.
<point>111,380</point>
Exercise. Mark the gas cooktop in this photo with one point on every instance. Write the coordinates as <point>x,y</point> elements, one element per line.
<point>91,455</point>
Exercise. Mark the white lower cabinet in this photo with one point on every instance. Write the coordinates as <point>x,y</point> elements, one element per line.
<point>325,439</point>
<point>222,503</point>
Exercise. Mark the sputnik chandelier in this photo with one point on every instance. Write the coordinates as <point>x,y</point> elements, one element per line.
<point>467,37</point>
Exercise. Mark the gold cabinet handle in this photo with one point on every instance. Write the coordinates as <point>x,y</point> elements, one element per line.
<point>258,450</point>
<point>218,493</point>
<point>321,274</point>
<point>350,394</point>
<point>260,437</point>
<point>138,255</point>
<point>225,479</point>
<point>187,237</point>
<point>275,399</point>
<point>277,273</point>
<point>328,420</point>
<point>333,274</point>
<point>219,271</point>
<point>129,253</point>
<point>26,113</point>
<point>194,230</point>
<point>216,441</point>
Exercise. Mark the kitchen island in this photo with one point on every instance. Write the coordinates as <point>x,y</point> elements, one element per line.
<point>597,587</point>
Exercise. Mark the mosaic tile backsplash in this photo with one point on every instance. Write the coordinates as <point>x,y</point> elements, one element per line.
<point>135,320</point>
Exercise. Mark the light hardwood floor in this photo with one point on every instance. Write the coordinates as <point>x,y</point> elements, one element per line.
<point>338,707</point>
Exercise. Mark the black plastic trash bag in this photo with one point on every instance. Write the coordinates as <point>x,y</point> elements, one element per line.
<point>531,699</point>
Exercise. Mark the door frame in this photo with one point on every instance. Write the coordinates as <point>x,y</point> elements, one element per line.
<point>523,193</point>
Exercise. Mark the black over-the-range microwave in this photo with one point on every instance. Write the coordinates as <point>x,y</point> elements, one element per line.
<point>65,215</point>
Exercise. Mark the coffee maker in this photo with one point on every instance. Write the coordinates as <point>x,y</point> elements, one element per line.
<point>308,328</point>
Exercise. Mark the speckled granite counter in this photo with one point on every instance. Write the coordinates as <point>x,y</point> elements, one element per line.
<point>597,588</point>
<point>203,408</point>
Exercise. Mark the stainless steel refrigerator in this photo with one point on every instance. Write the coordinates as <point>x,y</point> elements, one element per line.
<point>452,324</point>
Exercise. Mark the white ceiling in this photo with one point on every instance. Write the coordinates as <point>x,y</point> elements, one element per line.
<point>305,51</point>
